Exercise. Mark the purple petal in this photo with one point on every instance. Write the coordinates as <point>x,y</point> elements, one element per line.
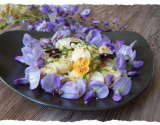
<point>126,87</point>
<point>125,26</point>
<point>132,44</point>
<point>133,56</point>
<point>133,73</point>
<point>125,50</point>
<point>102,92</point>
<point>66,28</point>
<point>85,13</point>
<point>58,83</point>
<point>70,90</point>
<point>85,29</point>
<point>119,83</point>
<point>58,27</point>
<point>78,35</point>
<point>93,33</point>
<point>108,79</point>
<point>116,96</point>
<point>123,85</point>
<point>35,43</point>
<point>48,82</point>
<point>120,61</point>
<point>115,20</point>
<point>33,74</point>
<point>30,60</point>
<point>96,40</point>
<point>30,27</point>
<point>95,85</point>
<point>38,52</point>
<point>20,59</point>
<point>137,64</point>
<point>95,21</point>
<point>81,85</point>
<point>21,81</point>
<point>120,42</point>
<point>59,18</point>
<point>65,33</point>
<point>88,96</point>
<point>82,18</point>
<point>30,7</point>
<point>41,26</point>
<point>52,17</point>
<point>105,22</point>
<point>66,7</point>
<point>41,63</point>
<point>27,39</point>
<point>106,39</point>
<point>44,8</point>
<point>74,9</point>
<point>48,26</point>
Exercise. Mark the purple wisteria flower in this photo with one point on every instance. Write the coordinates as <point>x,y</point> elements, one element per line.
<point>46,42</point>
<point>44,8</point>
<point>58,27</point>
<point>95,21</point>
<point>45,26</point>
<point>133,73</point>
<point>108,80</point>
<point>28,41</point>
<point>97,89</point>
<point>127,50</point>
<point>61,34</point>
<point>31,57</point>
<point>105,22</point>
<point>58,9</point>
<point>52,17</point>
<point>115,21</point>
<point>32,76</point>
<point>73,90</point>
<point>52,83</point>
<point>120,61</point>
<point>121,87</point>
<point>129,54</point>
<point>30,7</point>
<point>85,13</point>
<point>93,35</point>
<point>137,64</point>
<point>69,10</point>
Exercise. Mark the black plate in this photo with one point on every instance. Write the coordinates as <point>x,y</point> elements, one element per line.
<point>10,69</point>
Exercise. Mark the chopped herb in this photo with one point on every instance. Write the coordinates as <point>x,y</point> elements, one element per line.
<point>86,42</point>
<point>96,46</point>
<point>66,79</point>
<point>114,68</point>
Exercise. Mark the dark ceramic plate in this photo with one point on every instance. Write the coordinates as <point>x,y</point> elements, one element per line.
<point>10,47</point>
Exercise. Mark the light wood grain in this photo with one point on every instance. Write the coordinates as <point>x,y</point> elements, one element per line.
<point>146,20</point>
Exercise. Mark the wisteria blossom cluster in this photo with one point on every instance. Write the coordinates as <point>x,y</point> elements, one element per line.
<point>51,19</point>
<point>42,57</point>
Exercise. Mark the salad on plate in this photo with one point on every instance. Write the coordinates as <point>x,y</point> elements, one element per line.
<point>79,67</point>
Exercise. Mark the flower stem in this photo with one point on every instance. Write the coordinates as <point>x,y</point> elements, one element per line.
<point>23,18</point>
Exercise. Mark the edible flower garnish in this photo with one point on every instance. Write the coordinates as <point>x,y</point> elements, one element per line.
<point>81,66</point>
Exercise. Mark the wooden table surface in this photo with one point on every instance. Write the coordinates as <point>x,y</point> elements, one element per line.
<point>146,20</point>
